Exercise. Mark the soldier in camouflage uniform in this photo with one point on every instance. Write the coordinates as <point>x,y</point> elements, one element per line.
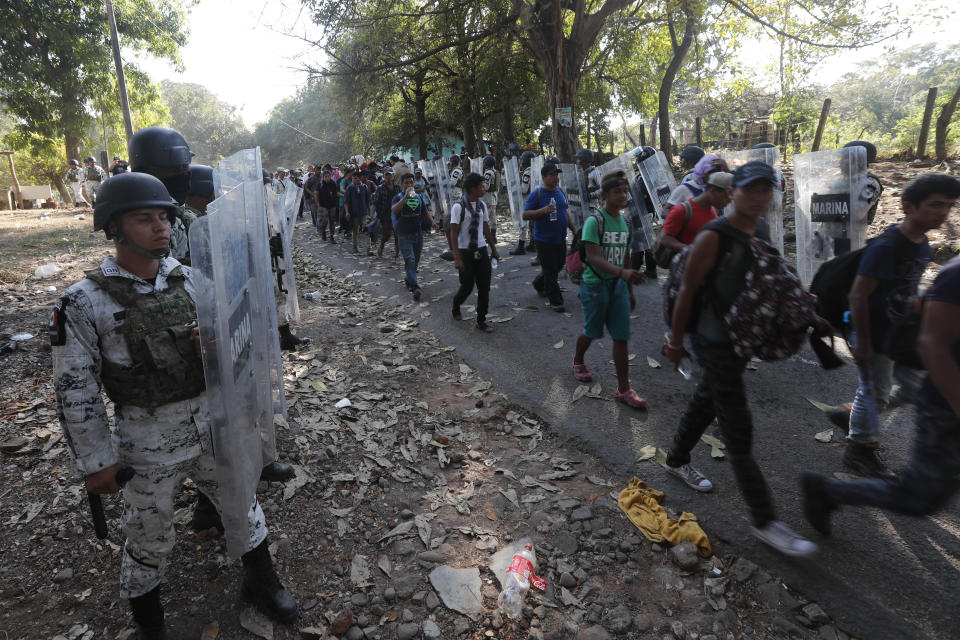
<point>164,153</point>
<point>525,158</point>
<point>73,178</point>
<point>128,329</point>
<point>93,177</point>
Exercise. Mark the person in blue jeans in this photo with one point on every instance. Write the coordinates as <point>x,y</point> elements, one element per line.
<point>547,208</point>
<point>884,290</point>
<point>410,210</point>
<point>933,475</point>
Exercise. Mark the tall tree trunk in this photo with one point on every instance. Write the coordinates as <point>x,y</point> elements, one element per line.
<point>666,85</point>
<point>421,106</point>
<point>509,134</point>
<point>466,118</point>
<point>57,181</point>
<point>72,146</point>
<point>943,124</point>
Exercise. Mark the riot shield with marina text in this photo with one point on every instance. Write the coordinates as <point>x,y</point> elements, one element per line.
<point>832,199</point>
<point>476,165</point>
<point>536,180</point>
<point>236,317</point>
<point>444,195</point>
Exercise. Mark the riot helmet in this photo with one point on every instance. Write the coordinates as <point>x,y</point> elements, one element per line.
<point>764,145</point>
<point>489,161</point>
<point>691,154</point>
<point>73,163</point>
<point>158,147</point>
<point>129,192</point>
<point>454,160</point>
<point>267,178</point>
<point>163,152</point>
<point>584,156</point>
<point>526,158</point>
<point>201,180</point>
<point>869,146</point>
<point>89,159</point>
<point>552,160</point>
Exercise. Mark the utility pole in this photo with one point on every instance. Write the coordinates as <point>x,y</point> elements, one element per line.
<point>121,80</point>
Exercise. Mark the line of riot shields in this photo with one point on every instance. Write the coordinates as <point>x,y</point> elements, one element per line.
<point>237,317</point>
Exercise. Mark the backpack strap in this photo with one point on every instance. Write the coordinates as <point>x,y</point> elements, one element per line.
<point>688,209</point>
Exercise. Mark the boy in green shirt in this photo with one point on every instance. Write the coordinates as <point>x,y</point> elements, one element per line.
<point>605,290</point>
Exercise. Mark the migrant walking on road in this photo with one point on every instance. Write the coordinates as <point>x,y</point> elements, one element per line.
<point>470,226</point>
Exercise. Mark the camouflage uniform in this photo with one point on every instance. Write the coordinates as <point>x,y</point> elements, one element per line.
<point>179,230</point>
<point>73,178</point>
<point>93,177</point>
<point>164,444</point>
<point>456,190</point>
<point>525,192</point>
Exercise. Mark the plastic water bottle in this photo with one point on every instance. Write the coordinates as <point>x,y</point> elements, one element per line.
<point>493,263</point>
<point>312,295</point>
<point>553,214</point>
<point>519,576</point>
<point>685,367</point>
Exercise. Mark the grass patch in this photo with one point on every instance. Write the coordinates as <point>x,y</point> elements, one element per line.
<point>28,240</point>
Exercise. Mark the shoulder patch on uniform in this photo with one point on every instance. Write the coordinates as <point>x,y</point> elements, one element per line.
<point>58,321</point>
<point>110,270</point>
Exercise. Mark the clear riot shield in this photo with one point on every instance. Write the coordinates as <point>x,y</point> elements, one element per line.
<point>279,224</point>
<point>659,181</point>
<point>511,175</point>
<point>536,180</point>
<point>639,215</point>
<point>292,195</point>
<point>430,178</point>
<point>830,207</point>
<point>237,328</point>
<point>774,215</point>
<point>574,185</point>
<point>476,165</point>
<point>444,195</point>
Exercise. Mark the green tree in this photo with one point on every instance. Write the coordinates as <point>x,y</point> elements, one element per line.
<point>55,57</point>
<point>212,128</point>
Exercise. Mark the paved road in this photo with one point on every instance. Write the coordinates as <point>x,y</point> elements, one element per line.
<point>879,576</point>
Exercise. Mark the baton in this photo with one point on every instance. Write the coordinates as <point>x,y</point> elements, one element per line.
<point>96,504</point>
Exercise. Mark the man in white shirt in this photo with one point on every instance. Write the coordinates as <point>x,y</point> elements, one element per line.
<point>470,229</point>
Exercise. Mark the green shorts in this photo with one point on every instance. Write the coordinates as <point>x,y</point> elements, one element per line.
<point>606,304</point>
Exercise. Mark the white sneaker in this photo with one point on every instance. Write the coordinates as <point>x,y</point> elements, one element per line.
<point>783,539</point>
<point>692,477</point>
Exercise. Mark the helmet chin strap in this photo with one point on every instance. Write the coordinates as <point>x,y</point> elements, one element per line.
<point>153,254</point>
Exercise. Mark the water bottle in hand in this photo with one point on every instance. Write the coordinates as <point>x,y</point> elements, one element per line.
<point>553,214</point>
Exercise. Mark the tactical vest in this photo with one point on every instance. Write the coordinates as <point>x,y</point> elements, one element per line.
<point>165,367</point>
<point>92,173</point>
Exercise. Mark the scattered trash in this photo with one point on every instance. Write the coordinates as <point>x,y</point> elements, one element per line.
<point>559,345</point>
<point>520,576</point>
<point>50,289</point>
<point>20,337</point>
<point>653,363</point>
<point>311,295</point>
<point>646,453</point>
<point>79,216</point>
<point>46,271</point>
<point>343,402</point>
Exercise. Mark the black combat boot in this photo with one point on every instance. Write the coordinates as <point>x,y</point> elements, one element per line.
<point>519,251</point>
<point>277,472</point>
<point>205,515</point>
<point>148,616</point>
<point>288,341</point>
<point>262,586</point>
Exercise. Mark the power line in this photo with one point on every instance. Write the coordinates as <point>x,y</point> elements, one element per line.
<point>300,131</point>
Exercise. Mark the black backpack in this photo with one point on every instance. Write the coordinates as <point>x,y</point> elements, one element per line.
<point>834,279</point>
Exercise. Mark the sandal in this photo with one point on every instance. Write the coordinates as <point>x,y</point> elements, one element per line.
<point>581,373</point>
<point>631,398</point>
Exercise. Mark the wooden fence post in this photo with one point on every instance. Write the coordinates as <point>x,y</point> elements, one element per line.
<point>925,126</point>
<point>13,177</point>
<point>824,112</point>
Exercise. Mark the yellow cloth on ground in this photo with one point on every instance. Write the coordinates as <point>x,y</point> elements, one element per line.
<point>642,506</point>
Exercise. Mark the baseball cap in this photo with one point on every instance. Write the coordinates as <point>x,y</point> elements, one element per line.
<point>720,179</point>
<point>753,171</point>
<point>549,168</point>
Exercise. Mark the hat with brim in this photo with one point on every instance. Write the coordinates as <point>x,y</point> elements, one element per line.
<point>753,171</point>
<point>549,169</point>
<point>720,179</point>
